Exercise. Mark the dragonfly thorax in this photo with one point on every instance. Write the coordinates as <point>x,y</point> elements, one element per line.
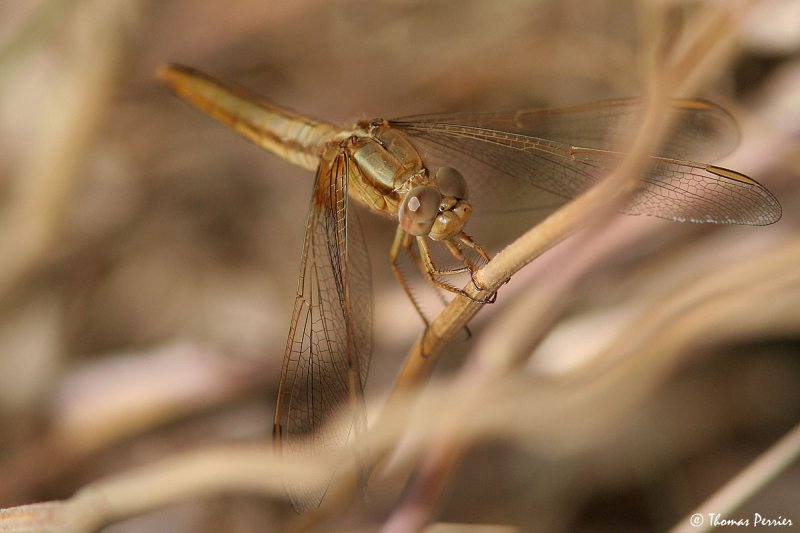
<point>390,178</point>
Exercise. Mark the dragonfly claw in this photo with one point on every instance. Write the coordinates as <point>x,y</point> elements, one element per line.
<point>479,286</point>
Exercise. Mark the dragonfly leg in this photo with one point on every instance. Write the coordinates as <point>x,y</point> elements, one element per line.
<point>430,271</point>
<point>456,251</point>
<point>417,259</point>
<point>430,267</point>
<point>469,242</point>
<point>403,241</point>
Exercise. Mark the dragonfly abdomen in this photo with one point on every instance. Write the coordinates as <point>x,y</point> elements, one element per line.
<point>294,137</point>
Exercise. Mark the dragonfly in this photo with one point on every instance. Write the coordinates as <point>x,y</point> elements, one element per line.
<point>428,173</point>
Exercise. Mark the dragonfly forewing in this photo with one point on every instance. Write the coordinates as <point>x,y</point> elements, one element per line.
<point>514,171</point>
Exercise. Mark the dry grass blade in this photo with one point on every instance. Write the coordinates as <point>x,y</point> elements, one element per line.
<point>426,487</point>
<point>725,501</point>
<point>43,188</point>
<point>251,469</point>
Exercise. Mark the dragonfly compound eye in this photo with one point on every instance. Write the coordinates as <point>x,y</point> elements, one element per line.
<point>451,183</point>
<point>419,210</point>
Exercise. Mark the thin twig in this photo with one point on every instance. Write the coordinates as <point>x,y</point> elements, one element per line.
<point>742,487</point>
<point>72,117</point>
<point>541,418</point>
<point>251,468</point>
<point>421,497</point>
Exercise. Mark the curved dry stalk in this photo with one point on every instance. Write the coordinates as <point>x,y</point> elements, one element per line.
<point>594,206</point>
<point>249,468</point>
<point>252,468</point>
<point>72,117</point>
<point>486,365</point>
<point>39,26</point>
<point>599,201</point>
<point>742,487</point>
<point>651,348</point>
<point>718,303</point>
<point>546,419</point>
<point>121,400</point>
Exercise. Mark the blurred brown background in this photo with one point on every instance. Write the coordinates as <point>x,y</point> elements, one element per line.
<point>148,256</point>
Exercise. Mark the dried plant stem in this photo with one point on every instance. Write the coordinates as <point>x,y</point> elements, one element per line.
<point>595,204</point>
<point>424,354</point>
<point>38,27</point>
<point>427,485</point>
<point>250,468</point>
<point>671,332</point>
<point>748,482</point>
<point>593,207</point>
<point>718,303</point>
<point>445,430</point>
<point>423,494</point>
<point>42,189</point>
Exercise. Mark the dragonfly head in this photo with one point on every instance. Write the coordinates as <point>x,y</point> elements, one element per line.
<point>439,210</point>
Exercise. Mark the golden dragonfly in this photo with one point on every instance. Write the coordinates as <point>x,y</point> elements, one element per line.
<point>427,173</point>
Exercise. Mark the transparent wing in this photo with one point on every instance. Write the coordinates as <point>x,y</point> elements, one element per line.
<point>329,345</point>
<point>511,172</point>
<point>700,129</point>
